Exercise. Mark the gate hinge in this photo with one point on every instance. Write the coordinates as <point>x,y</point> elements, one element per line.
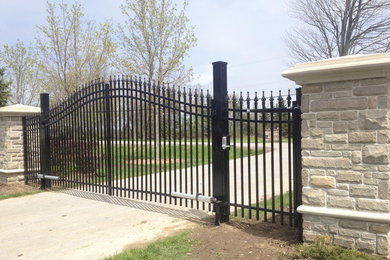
<point>213,112</point>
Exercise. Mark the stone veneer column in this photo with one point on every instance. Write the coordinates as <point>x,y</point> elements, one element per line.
<point>345,150</point>
<point>11,142</point>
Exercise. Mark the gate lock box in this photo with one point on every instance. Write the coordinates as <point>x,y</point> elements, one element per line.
<point>225,142</point>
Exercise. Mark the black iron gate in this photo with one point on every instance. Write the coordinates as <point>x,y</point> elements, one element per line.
<point>134,138</point>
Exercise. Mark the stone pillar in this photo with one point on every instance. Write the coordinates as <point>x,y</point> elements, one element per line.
<point>11,142</point>
<point>345,150</point>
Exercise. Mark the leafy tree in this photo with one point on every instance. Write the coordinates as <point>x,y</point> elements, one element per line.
<point>333,28</point>
<point>73,49</point>
<point>155,40</point>
<point>23,68</point>
<point>4,89</point>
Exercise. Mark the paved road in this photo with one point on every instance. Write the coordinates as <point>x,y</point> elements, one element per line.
<point>81,225</point>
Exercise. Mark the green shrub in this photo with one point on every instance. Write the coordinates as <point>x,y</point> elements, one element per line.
<point>321,250</point>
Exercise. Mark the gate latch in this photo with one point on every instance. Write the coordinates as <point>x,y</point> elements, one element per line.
<point>225,142</point>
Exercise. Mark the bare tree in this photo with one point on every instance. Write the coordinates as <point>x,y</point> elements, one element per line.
<point>155,40</point>
<point>23,70</point>
<point>333,28</point>
<point>73,49</point>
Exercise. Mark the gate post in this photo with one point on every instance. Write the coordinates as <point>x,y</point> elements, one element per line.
<point>297,156</point>
<point>44,141</point>
<point>220,156</point>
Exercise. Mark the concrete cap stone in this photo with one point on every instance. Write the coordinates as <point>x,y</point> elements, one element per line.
<point>18,110</point>
<point>351,67</point>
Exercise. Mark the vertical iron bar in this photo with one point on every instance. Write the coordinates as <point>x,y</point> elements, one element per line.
<point>69,132</point>
<point>115,134</point>
<point>280,104</point>
<point>263,99</point>
<point>79,142</point>
<point>133,133</point>
<point>120,137</point>
<point>129,121</point>
<point>169,145</point>
<point>145,171</point>
<point>100,126</point>
<point>209,118</point>
<point>174,143</point>
<point>82,130</point>
<point>202,117</point>
<point>73,142</point>
<point>185,146</point>
<point>150,142</point>
<point>180,150</point>
<point>159,140</point>
<point>45,140</point>
<point>155,139</point>
<point>196,146</point>
<point>108,137</point>
<point>165,142</point>
<point>137,130</point>
<point>241,100</point>
<point>234,103</point>
<point>95,138</point>
<point>256,100</point>
<point>63,154</point>
<point>92,182</point>
<point>191,150</point>
<point>272,158</point>
<point>249,155</point>
<point>289,158</point>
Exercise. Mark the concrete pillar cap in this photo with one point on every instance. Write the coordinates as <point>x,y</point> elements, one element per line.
<point>352,67</point>
<point>18,110</point>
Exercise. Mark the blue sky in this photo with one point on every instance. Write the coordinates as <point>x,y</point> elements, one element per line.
<point>245,33</point>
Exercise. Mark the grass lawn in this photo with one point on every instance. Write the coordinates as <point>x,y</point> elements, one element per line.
<point>174,247</point>
<point>16,190</point>
<point>3,196</point>
<point>245,213</point>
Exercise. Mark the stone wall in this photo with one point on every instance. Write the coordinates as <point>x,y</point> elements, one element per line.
<point>345,153</point>
<point>11,142</point>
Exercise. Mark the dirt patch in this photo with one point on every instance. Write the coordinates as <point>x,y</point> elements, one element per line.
<point>15,188</point>
<point>243,239</point>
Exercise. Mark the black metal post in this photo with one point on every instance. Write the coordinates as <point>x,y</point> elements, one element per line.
<point>107,133</point>
<point>45,140</point>
<point>25,150</point>
<point>297,154</point>
<point>220,156</point>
